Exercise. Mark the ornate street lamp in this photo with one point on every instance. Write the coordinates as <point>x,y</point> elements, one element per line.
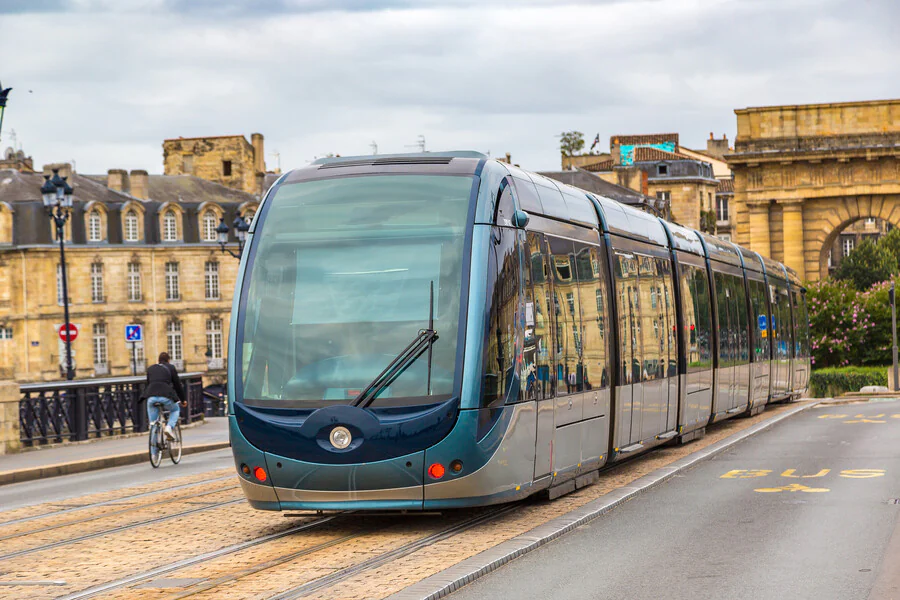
<point>3,96</point>
<point>57,194</point>
<point>240,228</point>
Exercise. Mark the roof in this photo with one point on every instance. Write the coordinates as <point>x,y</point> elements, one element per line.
<point>726,186</point>
<point>580,178</point>
<point>645,153</point>
<point>720,167</point>
<point>180,188</point>
<point>750,109</point>
<point>637,140</point>
<point>26,187</point>
<point>206,137</point>
<point>606,165</point>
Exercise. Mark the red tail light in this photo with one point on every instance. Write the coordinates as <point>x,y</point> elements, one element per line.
<point>259,473</point>
<point>436,471</point>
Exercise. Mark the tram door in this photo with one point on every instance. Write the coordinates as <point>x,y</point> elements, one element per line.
<point>760,323</point>
<point>538,353</point>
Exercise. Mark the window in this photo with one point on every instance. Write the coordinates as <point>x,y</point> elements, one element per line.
<point>830,263</point>
<point>97,282</point>
<point>100,354</point>
<point>226,168</point>
<point>59,285</point>
<point>187,164</point>
<point>211,280</point>
<point>664,196</point>
<point>131,226</point>
<point>848,244</point>
<point>725,236</point>
<point>95,223</point>
<point>134,282</point>
<point>170,227</point>
<point>214,337</point>
<point>695,299</point>
<point>502,347</point>
<point>172,290</point>
<point>6,333</point>
<point>209,226</point>
<point>662,169</point>
<point>537,351</point>
<point>173,340</point>
<point>870,221</point>
<point>722,208</point>
<point>709,200</point>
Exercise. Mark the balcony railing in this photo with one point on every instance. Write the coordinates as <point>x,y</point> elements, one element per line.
<point>81,410</point>
<point>214,364</point>
<point>101,368</point>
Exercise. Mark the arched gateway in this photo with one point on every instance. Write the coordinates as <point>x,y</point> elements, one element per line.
<point>803,173</point>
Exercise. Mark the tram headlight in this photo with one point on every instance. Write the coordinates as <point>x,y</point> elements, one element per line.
<point>340,437</point>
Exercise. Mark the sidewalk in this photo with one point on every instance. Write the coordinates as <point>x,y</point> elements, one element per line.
<point>101,453</point>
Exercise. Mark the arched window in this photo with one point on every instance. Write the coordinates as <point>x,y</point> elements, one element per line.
<point>170,227</point>
<point>210,222</point>
<point>131,226</point>
<point>95,224</point>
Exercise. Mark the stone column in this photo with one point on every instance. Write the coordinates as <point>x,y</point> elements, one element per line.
<point>9,417</point>
<point>792,219</point>
<point>759,228</point>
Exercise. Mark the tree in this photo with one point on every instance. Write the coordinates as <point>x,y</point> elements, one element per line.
<point>571,142</point>
<point>867,264</point>
<point>891,242</point>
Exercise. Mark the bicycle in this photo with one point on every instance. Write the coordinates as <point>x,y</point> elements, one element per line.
<point>159,443</point>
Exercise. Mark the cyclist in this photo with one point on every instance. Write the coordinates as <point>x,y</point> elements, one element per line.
<point>164,391</point>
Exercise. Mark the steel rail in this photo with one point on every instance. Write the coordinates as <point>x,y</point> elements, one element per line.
<point>112,501</point>
<point>119,529</point>
<point>114,513</point>
<point>125,581</point>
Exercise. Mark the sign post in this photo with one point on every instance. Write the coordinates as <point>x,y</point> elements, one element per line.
<point>134,334</point>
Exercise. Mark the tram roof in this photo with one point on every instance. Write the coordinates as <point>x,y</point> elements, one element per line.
<point>685,239</point>
<point>444,163</point>
<point>720,250</point>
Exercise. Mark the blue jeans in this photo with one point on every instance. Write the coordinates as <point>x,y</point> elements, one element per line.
<point>153,404</point>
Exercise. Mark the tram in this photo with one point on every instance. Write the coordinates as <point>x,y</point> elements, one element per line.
<point>443,330</point>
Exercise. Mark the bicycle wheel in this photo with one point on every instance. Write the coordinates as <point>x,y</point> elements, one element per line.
<point>155,450</point>
<point>175,445</point>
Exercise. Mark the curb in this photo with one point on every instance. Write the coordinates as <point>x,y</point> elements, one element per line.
<point>93,464</point>
<point>449,580</point>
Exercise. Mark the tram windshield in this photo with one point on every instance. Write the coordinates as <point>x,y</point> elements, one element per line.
<point>340,283</point>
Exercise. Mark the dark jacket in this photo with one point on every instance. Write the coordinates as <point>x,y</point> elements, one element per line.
<point>162,380</point>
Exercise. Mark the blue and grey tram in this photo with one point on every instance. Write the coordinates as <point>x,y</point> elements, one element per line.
<point>443,330</point>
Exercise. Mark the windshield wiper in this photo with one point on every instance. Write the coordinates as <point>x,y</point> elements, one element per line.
<point>402,361</point>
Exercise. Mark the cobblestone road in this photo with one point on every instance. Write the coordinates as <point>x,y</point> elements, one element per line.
<point>201,540</point>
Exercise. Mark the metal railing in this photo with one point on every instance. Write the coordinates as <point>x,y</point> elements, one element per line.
<point>93,408</point>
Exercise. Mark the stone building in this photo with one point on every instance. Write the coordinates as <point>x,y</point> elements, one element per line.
<point>229,160</point>
<point>804,174</point>
<point>139,249</point>
<point>655,165</point>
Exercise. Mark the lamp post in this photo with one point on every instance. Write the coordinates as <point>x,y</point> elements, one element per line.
<point>240,227</point>
<point>57,196</point>
<point>3,96</point>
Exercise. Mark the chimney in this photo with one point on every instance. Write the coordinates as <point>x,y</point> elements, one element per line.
<point>645,183</point>
<point>259,152</point>
<point>140,184</point>
<point>65,169</point>
<point>717,148</point>
<point>117,179</point>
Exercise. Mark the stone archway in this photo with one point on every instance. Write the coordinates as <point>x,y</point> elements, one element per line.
<point>828,217</point>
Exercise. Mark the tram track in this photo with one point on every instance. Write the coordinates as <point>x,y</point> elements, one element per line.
<point>188,562</point>
<point>112,501</point>
<point>113,514</point>
<point>118,529</point>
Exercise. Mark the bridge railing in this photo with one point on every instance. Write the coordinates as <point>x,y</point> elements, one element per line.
<point>86,409</point>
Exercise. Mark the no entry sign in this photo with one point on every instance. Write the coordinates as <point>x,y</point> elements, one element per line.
<point>71,330</point>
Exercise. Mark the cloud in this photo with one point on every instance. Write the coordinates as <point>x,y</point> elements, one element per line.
<point>472,75</point>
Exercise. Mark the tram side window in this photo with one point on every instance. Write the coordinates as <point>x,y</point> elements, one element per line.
<point>804,326</point>
<point>724,325</point>
<point>628,315</point>
<point>698,327</point>
<point>567,317</point>
<point>666,315</point>
<point>742,322</point>
<point>537,322</point>
<point>649,299</point>
<point>591,273</point>
<point>501,381</point>
<point>781,317</point>
<point>761,314</point>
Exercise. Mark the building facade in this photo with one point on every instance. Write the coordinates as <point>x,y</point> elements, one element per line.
<point>804,174</point>
<point>139,249</point>
<point>229,160</point>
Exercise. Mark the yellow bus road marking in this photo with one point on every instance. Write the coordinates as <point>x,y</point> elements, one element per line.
<point>792,474</point>
<point>794,487</point>
<point>860,418</point>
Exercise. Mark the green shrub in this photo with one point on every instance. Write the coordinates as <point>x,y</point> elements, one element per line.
<point>833,382</point>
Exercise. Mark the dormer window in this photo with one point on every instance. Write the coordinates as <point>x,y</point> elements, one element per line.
<point>662,169</point>
<point>94,227</point>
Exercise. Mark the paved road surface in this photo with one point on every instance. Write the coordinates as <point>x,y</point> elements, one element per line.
<point>800,511</point>
<point>54,489</point>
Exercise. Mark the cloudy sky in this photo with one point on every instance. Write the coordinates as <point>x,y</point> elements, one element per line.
<point>104,82</point>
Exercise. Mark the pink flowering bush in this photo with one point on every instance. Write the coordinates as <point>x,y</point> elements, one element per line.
<point>848,327</point>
